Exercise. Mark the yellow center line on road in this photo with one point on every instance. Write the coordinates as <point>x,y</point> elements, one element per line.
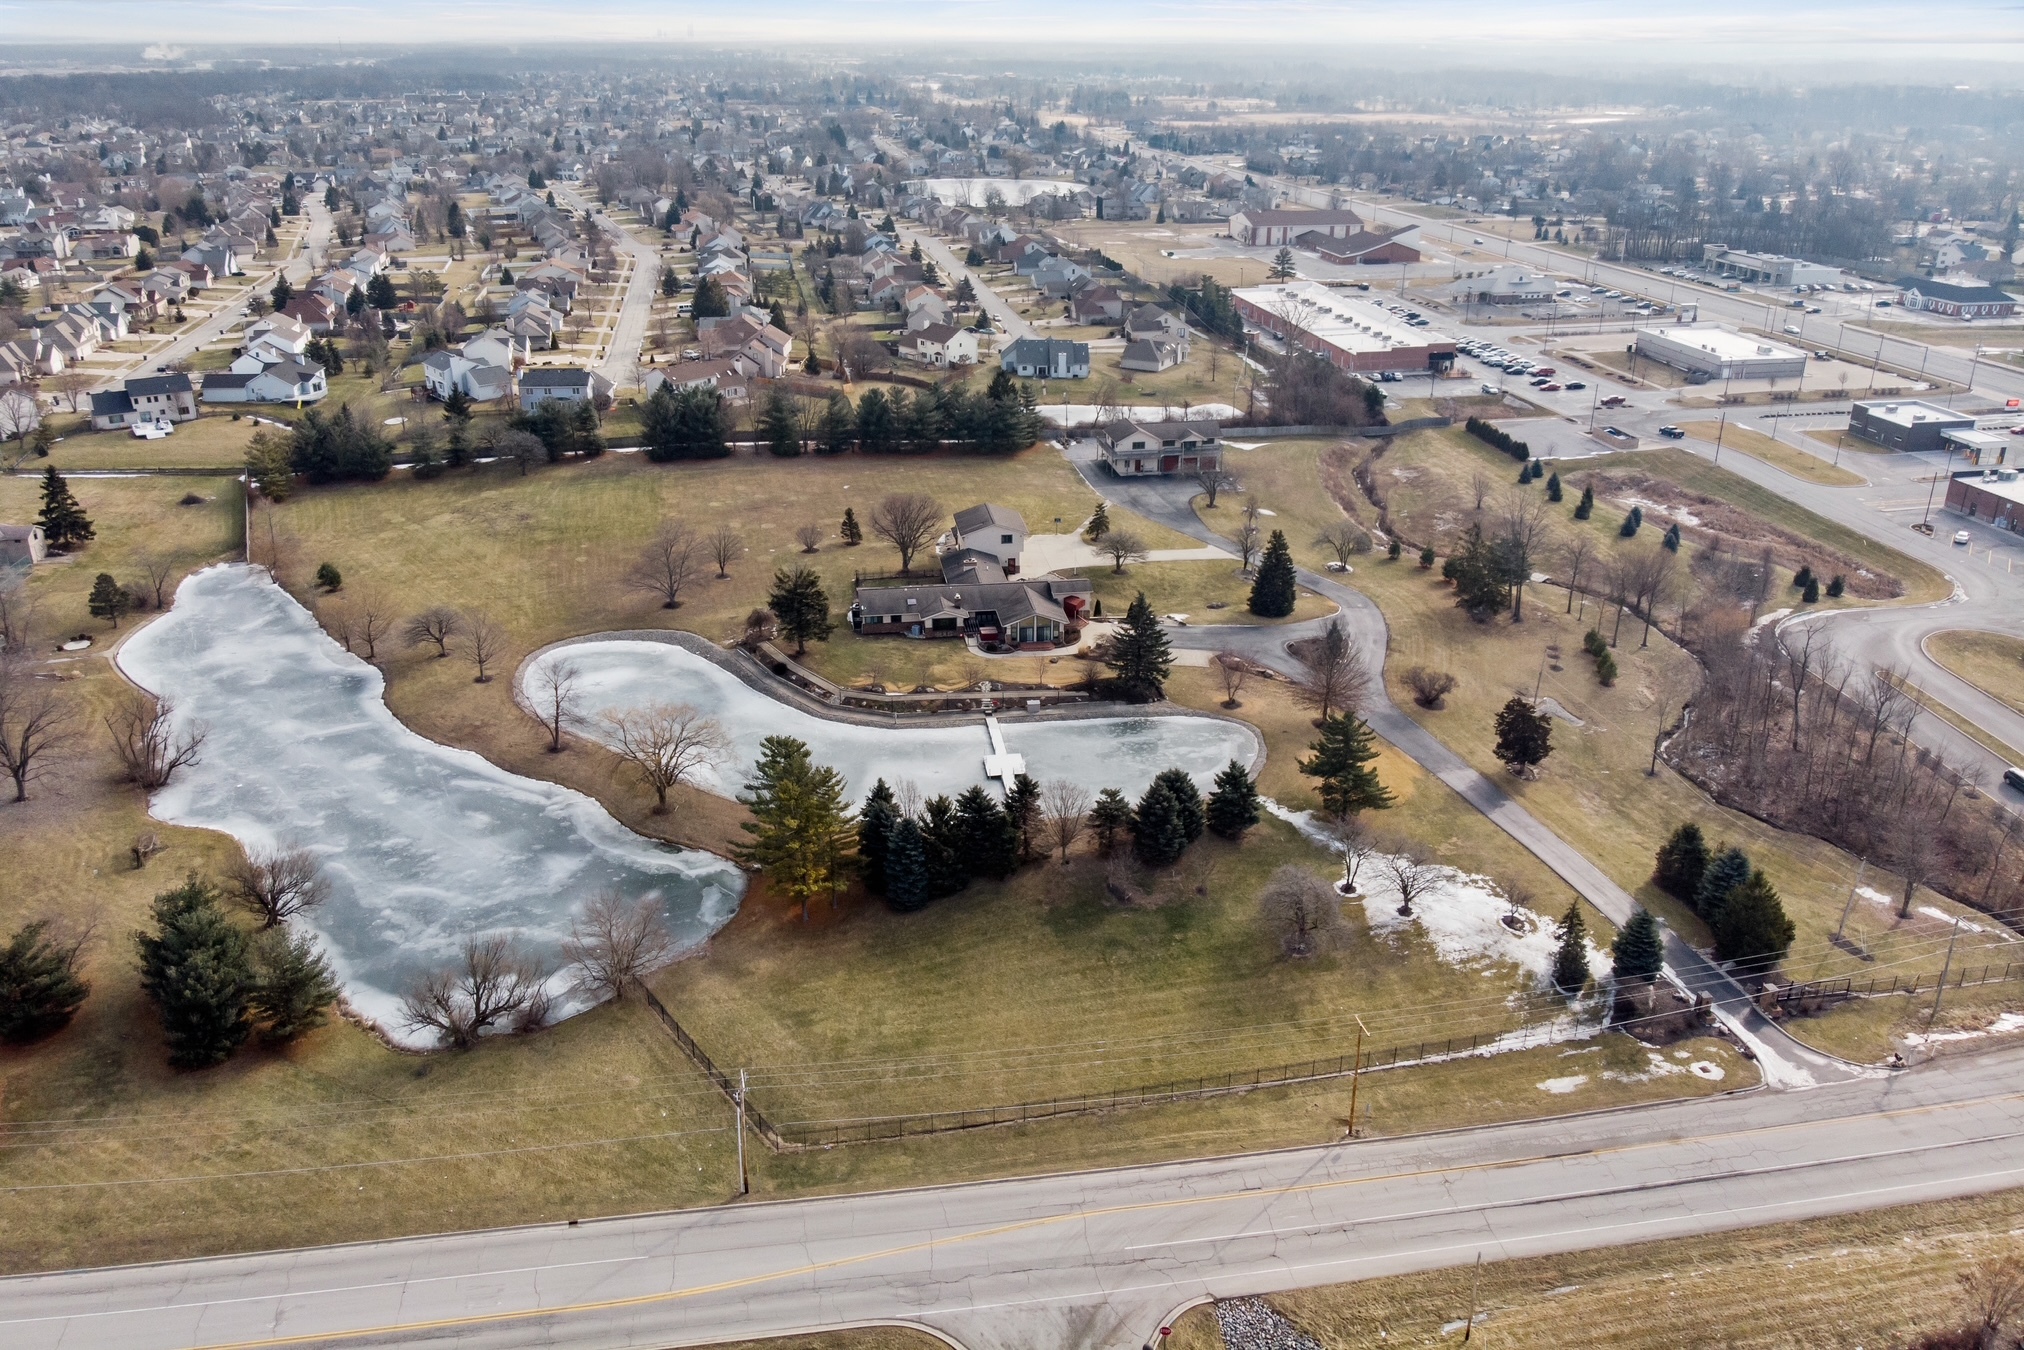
<point>1076,1216</point>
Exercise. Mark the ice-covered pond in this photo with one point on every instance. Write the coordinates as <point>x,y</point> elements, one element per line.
<point>424,845</point>
<point>1098,752</point>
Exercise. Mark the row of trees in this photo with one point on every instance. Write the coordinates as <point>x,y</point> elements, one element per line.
<point>1734,898</point>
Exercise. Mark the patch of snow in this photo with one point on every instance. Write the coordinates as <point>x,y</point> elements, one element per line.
<point>1934,913</point>
<point>424,845</point>
<point>1679,513</point>
<point>2004,1024</point>
<point>1563,1086</point>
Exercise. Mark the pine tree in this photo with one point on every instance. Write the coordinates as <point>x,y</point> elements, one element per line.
<point>1187,801</point>
<point>990,841</point>
<point>801,822</point>
<point>1836,587</point>
<point>851,532</point>
<point>1570,958</point>
<point>1680,862</point>
<point>1632,523</point>
<point>1811,595</point>
<point>1158,837</point>
<point>64,524</point>
<point>198,968</point>
<point>802,607</point>
<point>1022,810</point>
<point>1586,506</point>
<point>1109,818</point>
<point>1726,870</point>
<point>906,868</point>
<point>1233,804</point>
<point>876,820</point>
<point>1671,543</point>
<point>779,426</point>
<point>1524,736</point>
<point>942,844</point>
<point>1640,951</point>
<point>328,577</point>
<point>1140,655</point>
<point>1752,928</point>
<point>1426,556</point>
<point>39,987</point>
<point>109,600</point>
<point>1553,493</point>
<point>1273,593</point>
<point>1802,578</point>
<point>1099,521</point>
<point>1342,761</point>
<point>296,986</point>
<point>1482,577</point>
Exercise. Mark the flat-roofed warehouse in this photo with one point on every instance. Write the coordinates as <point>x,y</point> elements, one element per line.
<point>1905,424</point>
<point>1357,335</point>
<point>1994,495</point>
<point>1720,353</point>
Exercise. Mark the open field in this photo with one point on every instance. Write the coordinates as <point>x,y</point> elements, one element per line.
<point>1877,1279</point>
<point>1194,589</point>
<point>1992,662</point>
<point>213,441</point>
<point>1799,463</point>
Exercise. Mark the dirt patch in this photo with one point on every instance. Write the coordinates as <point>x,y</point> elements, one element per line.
<point>1341,468</point>
<point>1719,527</point>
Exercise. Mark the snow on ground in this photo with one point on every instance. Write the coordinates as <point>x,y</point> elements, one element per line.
<point>1075,414</point>
<point>1562,1086</point>
<point>1877,897</point>
<point>1656,1066</point>
<point>1099,752</point>
<point>2004,1024</point>
<point>424,845</point>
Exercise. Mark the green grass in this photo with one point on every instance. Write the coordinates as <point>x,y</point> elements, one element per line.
<point>213,441</point>
<point>1882,1278</point>
<point>1191,588</point>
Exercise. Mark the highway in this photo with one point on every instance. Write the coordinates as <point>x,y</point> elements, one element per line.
<point>1093,1260</point>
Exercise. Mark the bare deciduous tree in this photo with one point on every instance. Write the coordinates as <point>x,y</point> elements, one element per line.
<point>1353,839</point>
<point>1065,808</point>
<point>519,447</point>
<point>1577,556</point>
<point>369,621</point>
<point>809,537</point>
<point>1121,547</point>
<point>1408,869</point>
<point>16,612</point>
<point>909,521</point>
<point>156,569</point>
<point>615,943</point>
<point>1232,669</point>
<point>1345,539</point>
<point>483,644</point>
<point>667,564</point>
<point>1213,480</point>
<point>724,547</point>
<point>1335,680</point>
<point>666,744</point>
<point>1248,535</point>
<point>145,739</point>
<point>1994,1288</point>
<point>36,723</point>
<point>1479,487</point>
<point>1522,527</point>
<point>435,625</point>
<point>1430,687</point>
<point>278,885</point>
<point>493,983</point>
<point>555,696</point>
<point>1302,911</point>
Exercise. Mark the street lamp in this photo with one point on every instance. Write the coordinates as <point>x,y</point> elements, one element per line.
<point>1925,523</point>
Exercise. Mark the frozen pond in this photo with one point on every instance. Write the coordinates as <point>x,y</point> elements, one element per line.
<point>1120,752</point>
<point>424,845</point>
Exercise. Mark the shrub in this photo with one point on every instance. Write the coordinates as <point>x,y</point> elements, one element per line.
<point>328,577</point>
<point>1427,557</point>
<point>1503,440</point>
<point>1430,687</point>
<point>1592,643</point>
<point>1836,587</point>
<point>1392,550</point>
<point>1605,670</point>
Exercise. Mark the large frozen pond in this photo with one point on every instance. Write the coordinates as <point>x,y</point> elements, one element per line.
<point>424,845</point>
<point>1100,752</point>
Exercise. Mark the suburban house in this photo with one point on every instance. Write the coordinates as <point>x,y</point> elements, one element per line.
<point>1152,356</point>
<point>276,338</point>
<point>1058,278</point>
<point>22,545</point>
<point>1958,302</point>
<point>446,373</point>
<point>565,384</point>
<point>1096,304</point>
<point>1150,321</point>
<point>1136,449</point>
<point>940,344</point>
<point>1266,228</point>
<point>980,595</point>
<point>728,378</point>
<point>151,398</point>
<point>291,381</point>
<point>1046,359</point>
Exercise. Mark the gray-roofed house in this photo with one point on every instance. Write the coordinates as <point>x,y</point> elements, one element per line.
<point>1137,449</point>
<point>151,398</point>
<point>1046,359</point>
<point>565,384</point>
<point>980,594</point>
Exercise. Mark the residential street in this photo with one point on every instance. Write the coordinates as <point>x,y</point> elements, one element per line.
<point>621,361</point>
<point>1010,325</point>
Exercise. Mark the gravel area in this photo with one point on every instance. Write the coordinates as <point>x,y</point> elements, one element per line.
<point>1251,1324</point>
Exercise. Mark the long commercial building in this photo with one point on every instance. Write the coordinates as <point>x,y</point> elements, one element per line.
<point>1283,227</point>
<point>1720,353</point>
<point>1356,334</point>
<point>1768,269</point>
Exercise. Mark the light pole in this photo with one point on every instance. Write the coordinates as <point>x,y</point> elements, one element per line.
<point>1721,428</point>
<point>1925,523</point>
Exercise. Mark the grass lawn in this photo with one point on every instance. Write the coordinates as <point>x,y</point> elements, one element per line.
<point>1992,662</point>
<point>212,441</point>
<point>1841,440</point>
<point>1799,463</point>
<point>1755,1289</point>
<point>1193,589</point>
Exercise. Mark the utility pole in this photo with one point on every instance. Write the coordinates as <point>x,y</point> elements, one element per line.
<point>1861,866</point>
<point>1355,1076</point>
<point>1469,1331</point>
<point>1721,430</point>
<point>744,1180</point>
<point>1945,966</point>
<point>1925,522</point>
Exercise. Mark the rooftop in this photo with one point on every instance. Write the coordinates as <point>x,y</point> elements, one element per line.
<point>1996,482</point>
<point>1725,343</point>
<point>1351,324</point>
<point>1904,412</point>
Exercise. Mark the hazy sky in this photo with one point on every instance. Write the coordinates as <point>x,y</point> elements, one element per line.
<point>1745,29</point>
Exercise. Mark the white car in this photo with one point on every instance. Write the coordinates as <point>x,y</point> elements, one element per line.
<point>1962,537</point>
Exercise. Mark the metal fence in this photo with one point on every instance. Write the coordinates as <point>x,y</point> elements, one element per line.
<point>1879,987</point>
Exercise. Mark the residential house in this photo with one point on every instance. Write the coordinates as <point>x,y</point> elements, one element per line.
<point>1150,321</point>
<point>1134,449</point>
<point>275,338</point>
<point>563,384</point>
<point>980,595</point>
<point>445,373</point>
<point>291,381</point>
<point>1059,278</point>
<point>940,344</point>
<point>924,306</point>
<point>727,377</point>
<point>149,398</point>
<point>76,336</point>
<point>1046,359</point>
<point>1096,304</point>
<point>316,311</point>
<point>1152,356</point>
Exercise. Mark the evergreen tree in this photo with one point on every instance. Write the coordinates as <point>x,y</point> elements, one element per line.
<point>906,868</point>
<point>329,578</point>
<point>1482,577</point>
<point>109,600</point>
<point>1273,592</point>
<point>282,293</point>
<point>1187,801</point>
<point>1553,493</point>
<point>1640,951</point>
<point>1836,587</point>
<point>709,301</point>
<point>779,425</point>
<point>1524,736</point>
<point>851,532</point>
<point>1811,595</point>
<point>802,607</point>
<point>379,293</point>
<point>296,986</point>
<point>1802,578</point>
<point>1233,804</point>
<point>801,822</point>
<point>1158,837</point>
<point>1671,542</point>
<point>1586,506</point>
<point>39,986</point>
<point>1426,556</point>
<point>1570,958</point>
<point>64,524</point>
<point>1022,809</point>
<point>1342,761</point>
<point>1752,928</point>
<point>1140,655</point>
<point>691,424</point>
<point>585,436</point>
<point>839,425</point>
<point>1099,521</point>
<point>1282,265</point>
<point>198,968</point>
<point>1681,861</point>
<point>942,844</point>
<point>1632,523</point>
<point>990,841</point>
<point>1109,818</point>
<point>1726,870</point>
<point>876,821</point>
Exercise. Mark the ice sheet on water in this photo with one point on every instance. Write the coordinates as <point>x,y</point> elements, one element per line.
<point>424,845</point>
<point>1120,752</point>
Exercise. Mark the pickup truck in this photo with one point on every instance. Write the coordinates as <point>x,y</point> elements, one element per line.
<point>1616,401</point>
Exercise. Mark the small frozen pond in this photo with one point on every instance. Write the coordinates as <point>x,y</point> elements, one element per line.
<point>1120,752</point>
<point>424,845</point>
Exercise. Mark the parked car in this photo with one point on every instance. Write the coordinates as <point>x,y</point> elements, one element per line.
<point>2013,778</point>
<point>1823,356</point>
<point>1962,537</point>
<point>1671,433</point>
<point>1550,388</point>
<point>1576,384</point>
<point>1616,401</point>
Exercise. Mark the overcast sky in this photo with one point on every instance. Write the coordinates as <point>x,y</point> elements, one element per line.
<point>1745,30</point>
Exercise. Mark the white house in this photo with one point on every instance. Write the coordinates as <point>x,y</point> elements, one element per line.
<point>940,344</point>
<point>282,382</point>
<point>563,384</point>
<point>1138,449</point>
